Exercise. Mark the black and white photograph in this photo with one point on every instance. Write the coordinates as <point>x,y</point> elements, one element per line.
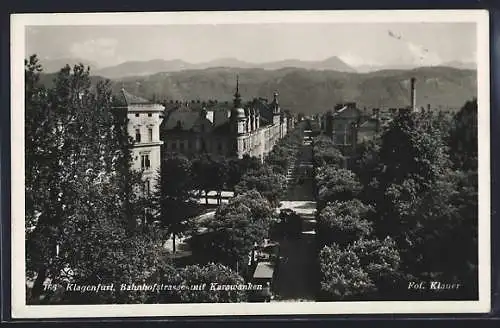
<point>250,163</point>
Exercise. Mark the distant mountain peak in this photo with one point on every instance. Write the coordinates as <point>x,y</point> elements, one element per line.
<point>140,68</point>
<point>55,64</point>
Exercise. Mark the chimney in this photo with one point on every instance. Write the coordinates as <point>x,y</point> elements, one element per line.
<point>377,119</point>
<point>413,95</point>
<point>354,135</point>
<point>428,107</point>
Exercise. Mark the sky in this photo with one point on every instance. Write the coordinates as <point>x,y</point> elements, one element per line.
<point>355,43</point>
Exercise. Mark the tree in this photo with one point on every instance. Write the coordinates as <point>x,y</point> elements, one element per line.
<point>425,206</point>
<point>269,184</point>
<point>174,197</point>
<point>237,167</point>
<point>201,180</point>
<point>285,151</point>
<point>211,283</point>
<point>380,260</point>
<point>260,208</point>
<point>210,173</point>
<point>362,268</point>
<point>437,233</point>
<point>218,171</point>
<point>280,158</point>
<point>234,230</point>
<point>412,157</point>
<point>328,156</point>
<point>342,276</point>
<point>463,137</point>
<point>336,184</point>
<point>79,186</point>
<point>104,257</point>
<point>326,153</point>
<point>367,162</point>
<point>41,143</point>
<point>343,222</point>
<point>412,148</point>
<point>66,151</point>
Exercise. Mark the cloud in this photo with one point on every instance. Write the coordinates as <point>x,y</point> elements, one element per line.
<point>356,60</point>
<point>422,56</point>
<point>95,49</point>
<point>472,58</point>
<point>414,53</point>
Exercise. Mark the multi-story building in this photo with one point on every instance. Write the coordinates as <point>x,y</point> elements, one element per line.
<point>348,125</point>
<point>144,120</point>
<point>251,129</point>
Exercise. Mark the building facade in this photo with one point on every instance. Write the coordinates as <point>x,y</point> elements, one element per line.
<point>144,120</point>
<point>232,131</point>
<point>348,125</point>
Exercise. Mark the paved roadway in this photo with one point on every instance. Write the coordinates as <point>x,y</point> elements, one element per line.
<point>296,274</point>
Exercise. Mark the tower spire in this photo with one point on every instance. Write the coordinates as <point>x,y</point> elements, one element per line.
<point>237,96</point>
<point>275,104</point>
<point>237,84</point>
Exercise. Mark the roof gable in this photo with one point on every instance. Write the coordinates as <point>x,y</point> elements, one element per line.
<point>347,112</point>
<point>131,99</point>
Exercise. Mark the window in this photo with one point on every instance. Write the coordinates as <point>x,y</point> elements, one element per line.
<point>181,146</point>
<point>150,133</point>
<point>137,135</point>
<point>136,114</point>
<point>145,163</point>
<point>147,187</point>
<point>150,114</point>
<point>174,145</point>
<point>220,146</point>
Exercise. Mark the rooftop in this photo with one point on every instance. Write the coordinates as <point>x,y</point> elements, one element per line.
<point>131,99</point>
<point>264,270</point>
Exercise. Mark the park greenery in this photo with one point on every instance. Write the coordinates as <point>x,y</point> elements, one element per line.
<point>406,208</point>
<point>234,231</point>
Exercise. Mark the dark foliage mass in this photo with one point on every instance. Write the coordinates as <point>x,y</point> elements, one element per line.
<point>235,230</point>
<point>86,222</point>
<point>416,183</point>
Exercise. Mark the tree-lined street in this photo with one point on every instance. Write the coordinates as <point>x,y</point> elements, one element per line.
<point>297,269</point>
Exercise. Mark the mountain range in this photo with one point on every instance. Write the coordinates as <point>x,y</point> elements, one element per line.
<point>149,67</point>
<point>303,90</point>
<point>374,68</point>
<point>52,65</point>
<point>142,68</point>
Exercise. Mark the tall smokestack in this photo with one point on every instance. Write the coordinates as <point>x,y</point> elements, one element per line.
<point>413,94</point>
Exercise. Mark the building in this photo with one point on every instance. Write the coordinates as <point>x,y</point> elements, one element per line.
<point>221,129</point>
<point>348,125</point>
<point>144,120</point>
